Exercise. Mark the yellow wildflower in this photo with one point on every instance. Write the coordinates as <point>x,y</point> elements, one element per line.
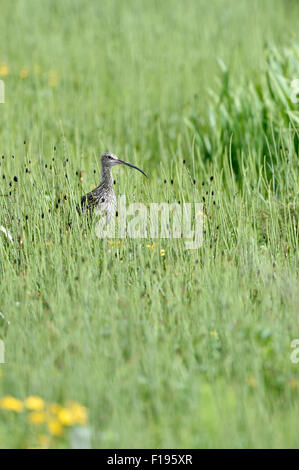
<point>37,69</point>
<point>55,427</point>
<point>79,412</point>
<point>150,246</point>
<point>53,79</point>
<point>214,333</point>
<point>24,72</point>
<point>65,417</point>
<point>110,243</point>
<point>4,70</point>
<point>12,404</point>
<point>34,403</point>
<point>55,408</point>
<point>293,384</point>
<point>44,440</point>
<point>37,417</point>
<point>252,382</point>
<point>162,252</point>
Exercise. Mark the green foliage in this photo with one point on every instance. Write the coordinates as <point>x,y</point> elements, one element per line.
<point>190,349</point>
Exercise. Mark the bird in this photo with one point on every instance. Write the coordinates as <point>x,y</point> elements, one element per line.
<point>102,199</point>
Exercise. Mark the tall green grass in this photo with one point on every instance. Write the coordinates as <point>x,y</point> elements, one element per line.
<point>190,349</point>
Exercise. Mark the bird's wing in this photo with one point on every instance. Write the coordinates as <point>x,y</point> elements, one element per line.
<point>89,200</point>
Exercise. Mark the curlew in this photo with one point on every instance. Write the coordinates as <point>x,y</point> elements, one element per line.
<point>103,198</point>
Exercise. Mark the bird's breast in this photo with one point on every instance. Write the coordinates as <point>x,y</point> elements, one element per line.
<point>106,203</point>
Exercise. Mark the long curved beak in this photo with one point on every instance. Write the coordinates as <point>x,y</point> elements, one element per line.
<point>132,166</point>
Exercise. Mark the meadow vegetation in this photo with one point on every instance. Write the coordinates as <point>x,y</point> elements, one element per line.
<point>152,344</point>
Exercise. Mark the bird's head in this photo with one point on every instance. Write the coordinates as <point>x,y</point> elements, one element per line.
<point>108,160</point>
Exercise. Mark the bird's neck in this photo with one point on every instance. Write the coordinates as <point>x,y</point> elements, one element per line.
<point>106,176</point>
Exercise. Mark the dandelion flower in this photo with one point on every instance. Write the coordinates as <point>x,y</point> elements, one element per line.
<point>162,252</point>
<point>4,70</point>
<point>43,440</point>
<point>37,417</point>
<point>37,69</point>
<point>252,382</point>
<point>65,417</point>
<point>293,384</point>
<point>53,79</point>
<point>214,333</point>
<point>54,408</point>
<point>79,413</point>
<point>55,427</point>
<point>34,403</point>
<point>24,72</point>
<point>12,404</point>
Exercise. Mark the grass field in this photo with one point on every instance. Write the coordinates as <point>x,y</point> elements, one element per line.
<point>179,348</point>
